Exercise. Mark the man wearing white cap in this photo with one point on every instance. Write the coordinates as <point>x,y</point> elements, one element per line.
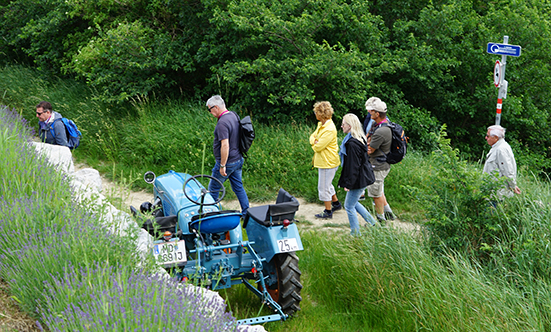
<point>379,141</point>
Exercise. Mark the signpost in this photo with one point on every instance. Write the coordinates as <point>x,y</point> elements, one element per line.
<point>499,69</point>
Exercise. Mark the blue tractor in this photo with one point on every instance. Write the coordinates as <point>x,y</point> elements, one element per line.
<point>198,241</point>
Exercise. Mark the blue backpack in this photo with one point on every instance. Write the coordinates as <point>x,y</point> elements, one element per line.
<point>73,134</point>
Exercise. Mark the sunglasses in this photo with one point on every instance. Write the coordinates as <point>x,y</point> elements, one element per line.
<point>210,108</point>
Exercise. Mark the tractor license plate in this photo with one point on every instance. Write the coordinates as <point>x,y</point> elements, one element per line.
<point>169,252</point>
<point>287,245</point>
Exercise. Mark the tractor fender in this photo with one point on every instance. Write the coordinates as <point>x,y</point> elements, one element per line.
<point>272,240</point>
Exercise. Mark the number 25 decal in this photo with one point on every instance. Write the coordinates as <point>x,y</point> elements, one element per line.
<point>284,245</point>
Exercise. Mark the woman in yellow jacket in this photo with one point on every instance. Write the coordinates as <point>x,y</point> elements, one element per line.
<point>326,157</point>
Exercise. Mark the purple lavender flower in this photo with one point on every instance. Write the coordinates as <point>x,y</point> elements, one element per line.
<point>138,301</point>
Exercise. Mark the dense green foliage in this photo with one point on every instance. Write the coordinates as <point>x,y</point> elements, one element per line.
<point>273,59</point>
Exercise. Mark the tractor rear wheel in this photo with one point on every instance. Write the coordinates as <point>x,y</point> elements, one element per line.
<point>286,291</point>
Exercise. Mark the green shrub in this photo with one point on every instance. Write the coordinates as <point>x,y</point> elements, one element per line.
<point>274,59</point>
<point>457,200</point>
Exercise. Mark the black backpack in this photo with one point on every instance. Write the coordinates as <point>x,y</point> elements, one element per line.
<point>398,147</point>
<point>246,134</point>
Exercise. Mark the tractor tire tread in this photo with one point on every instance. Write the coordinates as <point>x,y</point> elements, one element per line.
<point>289,297</point>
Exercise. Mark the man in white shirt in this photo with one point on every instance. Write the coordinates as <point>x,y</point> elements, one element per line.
<point>501,159</point>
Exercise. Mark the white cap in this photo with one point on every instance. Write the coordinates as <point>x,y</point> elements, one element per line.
<point>375,104</point>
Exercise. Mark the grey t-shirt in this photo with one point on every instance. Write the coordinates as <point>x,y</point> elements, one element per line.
<point>227,128</point>
<point>380,141</point>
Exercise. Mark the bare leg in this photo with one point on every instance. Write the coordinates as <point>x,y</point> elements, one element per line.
<point>379,204</point>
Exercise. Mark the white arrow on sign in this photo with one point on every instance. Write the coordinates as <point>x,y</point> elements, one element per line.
<point>497,74</point>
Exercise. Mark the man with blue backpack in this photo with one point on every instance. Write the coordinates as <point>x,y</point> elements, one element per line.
<point>55,129</point>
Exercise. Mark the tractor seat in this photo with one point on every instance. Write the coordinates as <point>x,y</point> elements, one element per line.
<point>162,224</point>
<point>273,214</point>
<point>216,221</point>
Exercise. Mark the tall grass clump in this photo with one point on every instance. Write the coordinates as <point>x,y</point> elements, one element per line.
<point>23,88</point>
<point>522,250</point>
<point>59,257</point>
<point>523,247</point>
<point>412,171</point>
<point>464,214</point>
<point>175,135</point>
<point>387,281</point>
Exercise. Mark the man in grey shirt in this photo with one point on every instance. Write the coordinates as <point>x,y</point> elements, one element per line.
<point>379,141</point>
<point>50,130</point>
<point>229,160</point>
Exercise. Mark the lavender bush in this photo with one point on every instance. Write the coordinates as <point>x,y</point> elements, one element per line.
<point>40,240</point>
<point>104,298</point>
<point>46,237</point>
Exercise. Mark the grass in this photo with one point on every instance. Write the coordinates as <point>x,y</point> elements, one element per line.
<point>384,280</point>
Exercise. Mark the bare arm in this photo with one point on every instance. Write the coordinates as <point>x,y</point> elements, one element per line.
<point>224,152</point>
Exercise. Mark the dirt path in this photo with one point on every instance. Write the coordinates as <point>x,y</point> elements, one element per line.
<point>123,198</point>
<point>307,220</point>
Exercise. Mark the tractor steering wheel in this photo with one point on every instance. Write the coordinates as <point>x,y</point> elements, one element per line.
<point>201,199</point>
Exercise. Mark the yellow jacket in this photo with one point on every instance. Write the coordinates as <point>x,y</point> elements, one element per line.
<point>326,149</point>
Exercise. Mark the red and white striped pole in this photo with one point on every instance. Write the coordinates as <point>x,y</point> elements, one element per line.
<point>498,110</point>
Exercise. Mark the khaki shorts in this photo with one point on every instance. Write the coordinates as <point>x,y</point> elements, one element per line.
<point>377,189</point>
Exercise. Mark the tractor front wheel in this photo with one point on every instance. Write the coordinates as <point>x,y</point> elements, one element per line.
<point>286,291</point>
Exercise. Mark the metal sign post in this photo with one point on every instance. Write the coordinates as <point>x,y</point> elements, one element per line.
<point>499,70</point>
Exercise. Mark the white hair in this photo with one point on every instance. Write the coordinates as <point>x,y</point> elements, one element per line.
<point>216,101</point>
<point>497,130</point>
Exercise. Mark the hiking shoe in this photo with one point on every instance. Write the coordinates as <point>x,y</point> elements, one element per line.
<point>382,222</point>
<point>324,215</point>
<point>336,207</point>
<point>390,215</point>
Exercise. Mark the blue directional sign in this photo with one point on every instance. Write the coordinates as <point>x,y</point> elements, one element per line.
<point>503,49</point>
